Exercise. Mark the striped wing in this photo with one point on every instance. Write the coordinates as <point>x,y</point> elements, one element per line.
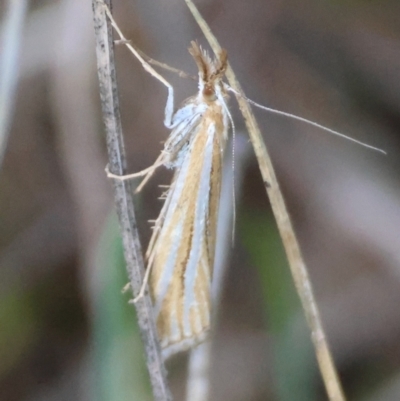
<point>181,251</point>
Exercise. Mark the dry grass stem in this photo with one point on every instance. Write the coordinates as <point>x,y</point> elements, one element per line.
<point>123,200</point>
<point>291,245</point>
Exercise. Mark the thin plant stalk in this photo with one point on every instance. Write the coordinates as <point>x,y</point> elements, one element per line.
<point>291,245</point>
<point>123,200</point>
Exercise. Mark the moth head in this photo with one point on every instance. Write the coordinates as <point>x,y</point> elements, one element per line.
<point>211,72</point>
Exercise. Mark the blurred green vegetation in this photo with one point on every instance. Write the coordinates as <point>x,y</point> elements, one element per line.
<point>120,370</point>
<point>294,360</point>
<point>19,327</point>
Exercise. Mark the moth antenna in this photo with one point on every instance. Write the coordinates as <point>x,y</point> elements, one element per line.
<point>166,67</point>
<point>233,171</point>
<point>152,61</point>
<point>304,120</point>
<point>233,183</point>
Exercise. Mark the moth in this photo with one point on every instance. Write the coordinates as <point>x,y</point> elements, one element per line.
<point>181,250</point>
<point>180,255</point>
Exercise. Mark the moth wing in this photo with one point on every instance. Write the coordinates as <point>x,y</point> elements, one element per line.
<point>181,252</point>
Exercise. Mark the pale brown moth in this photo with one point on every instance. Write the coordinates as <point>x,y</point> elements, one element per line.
<point>181,250</point>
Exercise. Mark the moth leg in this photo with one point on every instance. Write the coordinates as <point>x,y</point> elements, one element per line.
<point>126,288</point>
<point>146,178</point>
<point>147,172</point>
<point>169,107</point>
<point>144,285</point>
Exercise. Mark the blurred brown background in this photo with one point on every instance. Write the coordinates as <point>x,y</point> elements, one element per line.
<point>62,314</point>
